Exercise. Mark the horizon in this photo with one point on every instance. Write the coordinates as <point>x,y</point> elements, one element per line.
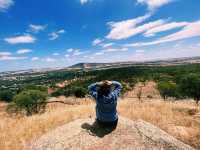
<point>96,31</point>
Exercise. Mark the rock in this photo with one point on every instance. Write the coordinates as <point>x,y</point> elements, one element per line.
<point>84,134</point>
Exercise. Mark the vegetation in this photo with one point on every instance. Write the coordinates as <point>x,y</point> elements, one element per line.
<point>167,89</point>
<point>80,92</point>
<point>190,86</point>
<point>6,95</point>
<point>173,81</point>
<point>29,101</point>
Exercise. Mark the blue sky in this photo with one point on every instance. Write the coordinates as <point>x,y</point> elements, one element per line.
<point>52,33</point>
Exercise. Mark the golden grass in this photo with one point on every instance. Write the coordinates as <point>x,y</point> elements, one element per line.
<point>173,117</point>
<point>15,132</point>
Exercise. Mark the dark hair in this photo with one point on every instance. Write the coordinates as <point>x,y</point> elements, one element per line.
<point>104,90</point>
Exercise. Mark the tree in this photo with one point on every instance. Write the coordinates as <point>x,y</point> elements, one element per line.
<point>29,101</point>
<point>139,93</point>
<point>190,86</point>
<point>6,95</point>
<point>167,89</point>
<point>80,92</point>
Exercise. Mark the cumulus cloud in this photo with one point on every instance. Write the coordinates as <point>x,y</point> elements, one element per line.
<point>189,31</point>
<point>5,4</point>
<point>55,35</point>
<point>153,4</point>
<point>125,29</point>
<point>165,27</point>
<point>97,41</point>
<point>23,51</point>
<point>36,28</point>
<point>20,39</point>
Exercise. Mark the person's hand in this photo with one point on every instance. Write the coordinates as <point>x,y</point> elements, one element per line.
<point>100,83</point>
<point>108,82</point>
<point>105,82</point>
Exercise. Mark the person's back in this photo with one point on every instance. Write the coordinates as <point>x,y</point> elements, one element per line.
<point>106,100</point>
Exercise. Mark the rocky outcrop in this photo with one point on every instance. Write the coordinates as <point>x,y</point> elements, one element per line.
<point>85,134</point>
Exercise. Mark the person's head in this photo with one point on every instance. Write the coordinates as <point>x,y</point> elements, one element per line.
<point>104,87</point>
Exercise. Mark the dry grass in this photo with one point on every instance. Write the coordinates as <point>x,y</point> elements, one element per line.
<point>172,117</point>
<point>15,132</point>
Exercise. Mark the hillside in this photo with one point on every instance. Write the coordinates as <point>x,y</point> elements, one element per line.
<point>180,119</point>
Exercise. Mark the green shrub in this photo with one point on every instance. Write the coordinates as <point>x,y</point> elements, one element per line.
<point>29,101</point>
<point>190,86</point>
<point>79,92</point>
<point>58,92</point>
<point>6,95</point>
<point>33,87</point>
<point>167,89</point>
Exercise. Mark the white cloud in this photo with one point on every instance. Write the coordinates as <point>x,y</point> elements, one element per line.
<point>50,59</point>
<point>56,54</point>
<point>11,58</point>
<point>8,56</point>
<point>124,29</point>
<point>116,49</point>
<point>74,52</point>
<point>140,51</point>
<point>70,50</point>
<point>84,1</point>
<point>20,39</point>
<point>34,58</point>
<point>5,4</point>
<point>5,54</point>
<point>189,31</point>
<point>153,4</point>
<point>99,53</point>
<point>107,45</point>
<point>56,34</point>
<point>97,41</point>
<point>23,51</point>
<point>67,55</point>
<point>61,31</point>
<point>165,27</point>
<point>36,28</point>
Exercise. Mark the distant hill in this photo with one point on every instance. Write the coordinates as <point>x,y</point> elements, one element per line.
<point>96,66</point>
<point>166,62</point>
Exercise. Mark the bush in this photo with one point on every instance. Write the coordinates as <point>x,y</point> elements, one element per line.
<point>79,92</point>
<point>58,92</point>
<point>33,87</point>
<point>29,101</point>
<point>167,89</point>
<point>190,86</point>
<point>125,88</point>
<point>6,95</point>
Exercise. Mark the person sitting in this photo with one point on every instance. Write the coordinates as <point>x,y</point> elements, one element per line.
<point>106,94</point>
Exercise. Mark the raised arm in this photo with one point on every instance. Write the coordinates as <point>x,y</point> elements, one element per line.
<point>117,88</point>
<point>93,90</point>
